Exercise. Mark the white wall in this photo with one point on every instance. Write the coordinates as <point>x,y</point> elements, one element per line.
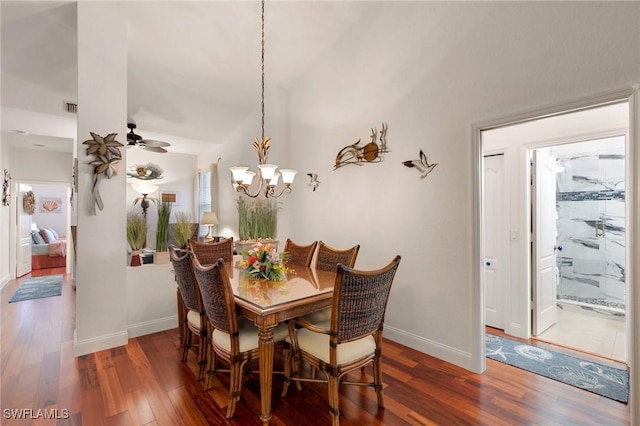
<point>101,313</point>
<point>57,220</point>
<point>43,166</point>
<point>150,299</point>
<point>430,70</point>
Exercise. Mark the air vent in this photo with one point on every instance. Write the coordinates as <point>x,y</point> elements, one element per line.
<point>71,107</point>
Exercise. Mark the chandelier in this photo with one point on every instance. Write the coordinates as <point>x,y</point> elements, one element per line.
<point>268,177</point>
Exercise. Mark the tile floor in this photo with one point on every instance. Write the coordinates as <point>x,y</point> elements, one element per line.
<point>590,331</point>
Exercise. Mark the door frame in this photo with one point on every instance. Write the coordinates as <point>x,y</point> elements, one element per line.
<point>13,235</point>
<point>629,95</point>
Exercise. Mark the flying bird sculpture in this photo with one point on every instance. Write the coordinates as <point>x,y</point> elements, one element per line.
<point>421,164</point>
<point>314,180</point>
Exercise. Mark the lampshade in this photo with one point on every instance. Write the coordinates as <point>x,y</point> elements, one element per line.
<point>288,175</point>
<point>238,173</point>
<point>144,189</point>
<point>267,170</point>
<point>209,218</point>
<point>248,177</point>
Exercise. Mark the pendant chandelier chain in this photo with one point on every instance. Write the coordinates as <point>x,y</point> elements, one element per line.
<point>262,61</point>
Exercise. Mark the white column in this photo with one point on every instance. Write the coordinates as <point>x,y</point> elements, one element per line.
<point>101,316</point>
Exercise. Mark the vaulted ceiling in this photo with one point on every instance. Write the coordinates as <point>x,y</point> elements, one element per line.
<point>193,67</point>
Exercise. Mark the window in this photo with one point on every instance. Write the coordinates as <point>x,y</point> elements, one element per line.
<point>204,199</point>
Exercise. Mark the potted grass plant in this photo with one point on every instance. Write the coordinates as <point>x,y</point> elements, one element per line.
<point>257,222</point>
<point>182,229</point>
<point>162,232</point>
<point>136,236</point>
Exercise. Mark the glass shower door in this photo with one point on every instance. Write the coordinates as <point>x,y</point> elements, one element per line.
<point>591,223</point>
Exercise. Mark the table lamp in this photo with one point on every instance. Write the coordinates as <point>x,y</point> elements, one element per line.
<point>209,219</point>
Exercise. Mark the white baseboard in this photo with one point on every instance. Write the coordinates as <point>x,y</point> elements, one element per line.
<point>5,281</point>
<point>99,343</point>
<point>154,326</point>
<point>446,353</point>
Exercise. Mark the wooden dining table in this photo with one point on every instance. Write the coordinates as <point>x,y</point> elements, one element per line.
<point>269,303</point>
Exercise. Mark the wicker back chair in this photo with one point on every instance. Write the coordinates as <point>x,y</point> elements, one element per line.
<point>234,338</point>
<point>327,260</point>
<point>209,253</point>
<point>328,257</point>
<point>300,255</point>
<point>193,320</point>
<point>354,336</point>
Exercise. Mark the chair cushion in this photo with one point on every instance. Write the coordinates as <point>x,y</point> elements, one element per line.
<point>319,316</point>
<point>193,318</point>
<point>248,335</point>
<point>317,344</point>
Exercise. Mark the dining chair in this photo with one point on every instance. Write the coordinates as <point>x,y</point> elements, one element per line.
<point>209,253</point>
<point>351,339</point>
<point>328,259</point>
<point>300,255</point>
<point>234,338</point>
<point>193,317</point>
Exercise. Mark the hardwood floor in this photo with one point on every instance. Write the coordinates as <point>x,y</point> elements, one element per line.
<point>144,383</point>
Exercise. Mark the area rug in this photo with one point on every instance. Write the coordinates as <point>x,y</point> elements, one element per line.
<point>39,287</point>
<point>606,381</point>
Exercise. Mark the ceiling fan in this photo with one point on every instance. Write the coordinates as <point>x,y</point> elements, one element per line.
<point>148,144</point>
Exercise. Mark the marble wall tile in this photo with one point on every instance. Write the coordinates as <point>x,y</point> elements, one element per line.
<point>591,226</point>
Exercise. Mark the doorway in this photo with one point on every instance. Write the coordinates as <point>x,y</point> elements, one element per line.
<point>518,142</point>
<point>51,210</point>
<point>590,246</point>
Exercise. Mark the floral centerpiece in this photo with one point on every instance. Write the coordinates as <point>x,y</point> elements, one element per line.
<point>264,261</point>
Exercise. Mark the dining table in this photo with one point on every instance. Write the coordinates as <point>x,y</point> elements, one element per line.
<point>269,303</point>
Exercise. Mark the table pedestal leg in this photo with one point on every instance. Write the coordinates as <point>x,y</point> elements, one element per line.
<point>266,348</point>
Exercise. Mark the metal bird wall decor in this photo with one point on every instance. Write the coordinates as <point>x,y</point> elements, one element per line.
<point>421,165</point>
<point>314,182</point>
<point>6,188</point>
<point>369,153</point>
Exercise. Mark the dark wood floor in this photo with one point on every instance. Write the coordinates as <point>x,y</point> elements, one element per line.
<point>144,383</point>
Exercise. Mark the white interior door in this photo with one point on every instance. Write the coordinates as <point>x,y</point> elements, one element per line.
<point>544,277</point>
<point>23,252</point>
<point>496,241</point>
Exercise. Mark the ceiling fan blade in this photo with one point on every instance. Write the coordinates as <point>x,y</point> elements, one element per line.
<point>151,142</point>
<point>153,148</point>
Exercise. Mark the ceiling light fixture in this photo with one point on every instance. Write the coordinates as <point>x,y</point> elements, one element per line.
<point>268,178</point>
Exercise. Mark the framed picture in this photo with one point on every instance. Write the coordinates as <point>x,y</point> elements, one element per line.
<point>170,196</point>
<point>50,205</point>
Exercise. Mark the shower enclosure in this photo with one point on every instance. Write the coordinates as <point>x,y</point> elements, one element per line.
<point>591,223</point>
